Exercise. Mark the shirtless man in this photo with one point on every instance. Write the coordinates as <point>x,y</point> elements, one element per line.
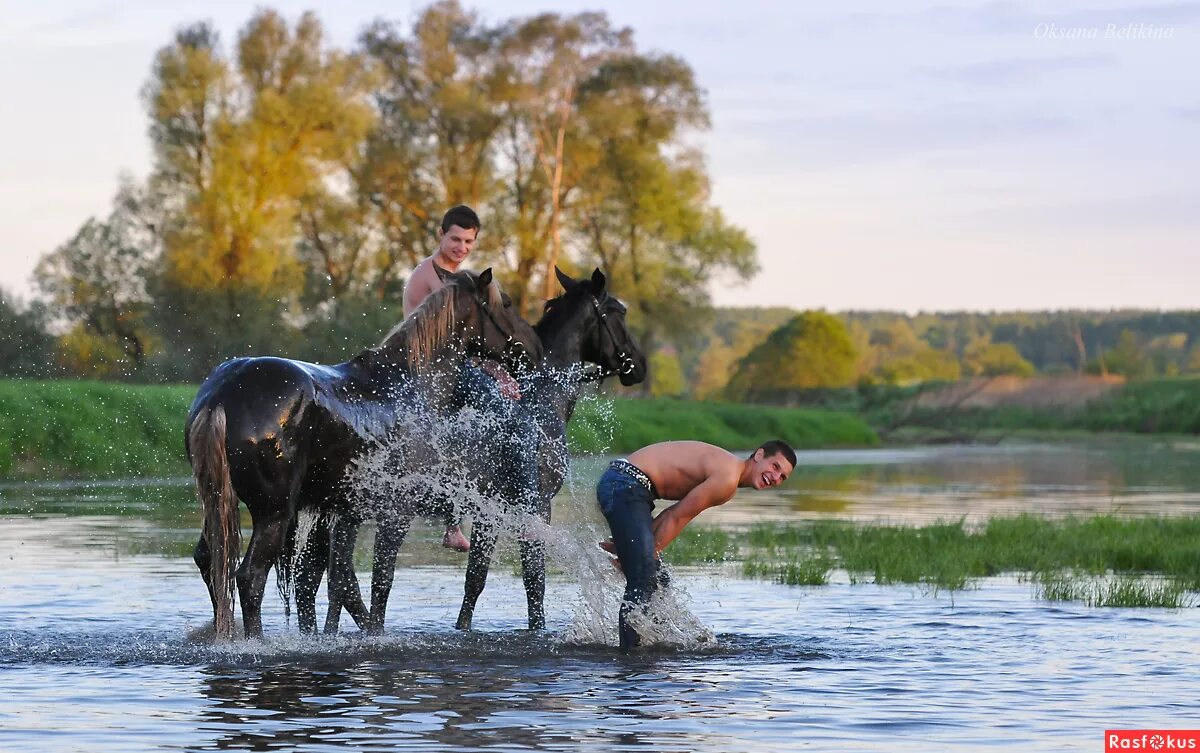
<point>698,476</point>
<point>456,240</point>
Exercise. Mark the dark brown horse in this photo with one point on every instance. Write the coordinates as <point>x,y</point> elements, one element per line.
<point>280,434</point>
<point>583,326</point>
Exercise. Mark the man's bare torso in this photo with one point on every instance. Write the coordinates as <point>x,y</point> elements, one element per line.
<point>678,467</point>
<point>423,281</point>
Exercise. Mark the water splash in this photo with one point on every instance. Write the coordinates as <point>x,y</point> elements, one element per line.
<point>433,465</point>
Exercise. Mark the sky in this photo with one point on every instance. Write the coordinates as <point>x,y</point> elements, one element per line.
<point>898,155</point>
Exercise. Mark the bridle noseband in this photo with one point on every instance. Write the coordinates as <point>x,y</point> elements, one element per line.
<point>626,363</point>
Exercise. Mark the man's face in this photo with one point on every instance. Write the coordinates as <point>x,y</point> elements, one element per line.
<point>456,244</point>
<point>770,470</point>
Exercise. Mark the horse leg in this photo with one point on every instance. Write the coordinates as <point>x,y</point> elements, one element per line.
<point>203,559</point>
<point>533,572</point>
<point>388,538</point>
<point>483,544</point>
<point>310,566</point>
<point>266,543</point>
<point>344,590</point>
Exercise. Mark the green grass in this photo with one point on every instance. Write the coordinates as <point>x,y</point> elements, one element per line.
<point>64,428</point>
<point>1109,556</point>
<point>625,424</point>
<point>1124,591</point>
<point>801,570</point>
<point>700,544</point>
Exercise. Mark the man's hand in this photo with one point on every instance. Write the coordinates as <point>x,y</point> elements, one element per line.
<point>504,381</point>
<point>608,546</point>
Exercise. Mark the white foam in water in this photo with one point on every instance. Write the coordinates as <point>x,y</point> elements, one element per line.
<point>431,457</point>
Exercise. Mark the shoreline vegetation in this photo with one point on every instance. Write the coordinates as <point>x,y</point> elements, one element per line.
<point>60,429</point>
<point>68,429</point>
<point>1103,560</point>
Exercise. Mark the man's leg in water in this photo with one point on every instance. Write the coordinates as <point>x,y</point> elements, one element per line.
<point>479,391</point>
<point>627,507</point>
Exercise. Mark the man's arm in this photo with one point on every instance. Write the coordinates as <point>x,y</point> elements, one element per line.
<point>670,522</point>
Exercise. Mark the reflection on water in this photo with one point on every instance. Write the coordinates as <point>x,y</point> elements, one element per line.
<point>98,593</point>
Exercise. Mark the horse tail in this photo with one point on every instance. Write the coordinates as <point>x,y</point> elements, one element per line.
<point>222,526</point>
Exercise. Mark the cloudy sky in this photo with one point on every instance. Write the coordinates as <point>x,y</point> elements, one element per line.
<point>887,155</point>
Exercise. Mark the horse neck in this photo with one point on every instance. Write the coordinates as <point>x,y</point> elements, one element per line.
<point>557,385</point>
<point>434,380</point>
<point>562,338</point>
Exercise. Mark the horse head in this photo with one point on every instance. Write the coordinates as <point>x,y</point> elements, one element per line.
<point>496,331</point>
<point>468,315</point>
<point>608,343</point>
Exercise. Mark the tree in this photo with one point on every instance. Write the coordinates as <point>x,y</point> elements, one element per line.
<point>548,58</point>
<point>97,284</point>
<point>1126,359</point>
<point>812,350</point>
<point>666,378</point>
<point>643,213</point>
<point>996,359</point>
<point>27,349</point>
<point>243,142</point>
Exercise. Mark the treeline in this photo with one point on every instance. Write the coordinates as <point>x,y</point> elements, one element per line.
<point>294,186</point>
<point>763,354</point>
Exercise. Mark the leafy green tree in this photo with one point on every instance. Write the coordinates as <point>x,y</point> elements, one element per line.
<point>643,213</point>
<point>666,377</point>
<point>96,283</point>
<point>996,359</point>
<point>243,141</point>
<point>812,350</point>
<point>1126,359</point>
<point>27,348</point>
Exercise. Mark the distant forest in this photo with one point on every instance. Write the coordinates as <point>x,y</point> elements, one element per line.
<point>744,350</point>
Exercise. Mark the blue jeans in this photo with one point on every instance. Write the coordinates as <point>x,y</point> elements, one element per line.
<point>627,506</point>
<point>516,443</point>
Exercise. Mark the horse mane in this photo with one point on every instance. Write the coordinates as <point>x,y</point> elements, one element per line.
<point>427,329</point>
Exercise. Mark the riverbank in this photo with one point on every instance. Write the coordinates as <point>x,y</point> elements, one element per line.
<point>67,429</point>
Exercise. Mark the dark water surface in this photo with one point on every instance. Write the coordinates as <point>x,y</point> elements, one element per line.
<point>98,595</point>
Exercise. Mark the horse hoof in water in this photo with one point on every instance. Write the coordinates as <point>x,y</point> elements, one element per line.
<point>207,633</point>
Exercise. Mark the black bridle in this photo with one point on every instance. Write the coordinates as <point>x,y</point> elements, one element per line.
<point>513,348</point>
<point>626,364</point>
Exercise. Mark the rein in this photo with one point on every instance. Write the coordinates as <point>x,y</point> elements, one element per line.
<point>513,348</point>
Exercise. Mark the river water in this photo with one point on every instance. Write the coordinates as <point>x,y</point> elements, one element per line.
<point>98,596</point>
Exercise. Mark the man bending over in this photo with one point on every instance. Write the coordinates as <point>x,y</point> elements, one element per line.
<point>696,474</point>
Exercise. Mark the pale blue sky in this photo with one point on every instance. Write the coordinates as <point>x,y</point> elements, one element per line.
<point>889,155</point>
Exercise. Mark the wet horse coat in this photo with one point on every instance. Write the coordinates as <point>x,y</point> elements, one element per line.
<point>279,435</point>
<point>584,325</point>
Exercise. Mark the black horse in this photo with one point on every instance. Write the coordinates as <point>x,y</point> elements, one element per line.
<point>584,325</point>
<point>279,434</point>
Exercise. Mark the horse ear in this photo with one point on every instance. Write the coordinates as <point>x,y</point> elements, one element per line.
<point>567,283</point>
<point>598,281</point>
<point>485,279</point>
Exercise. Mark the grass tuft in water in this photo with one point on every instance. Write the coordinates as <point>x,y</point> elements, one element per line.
<point>701,544</point>
<point>949,555</point>
<point>811,570</point>
<point>1123,591</point>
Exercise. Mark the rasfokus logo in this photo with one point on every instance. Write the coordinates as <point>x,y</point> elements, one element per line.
<point>1151,739</point>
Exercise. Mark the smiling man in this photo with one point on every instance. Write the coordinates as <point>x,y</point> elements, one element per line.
<point>456,239</point>
<point>696,474</point>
